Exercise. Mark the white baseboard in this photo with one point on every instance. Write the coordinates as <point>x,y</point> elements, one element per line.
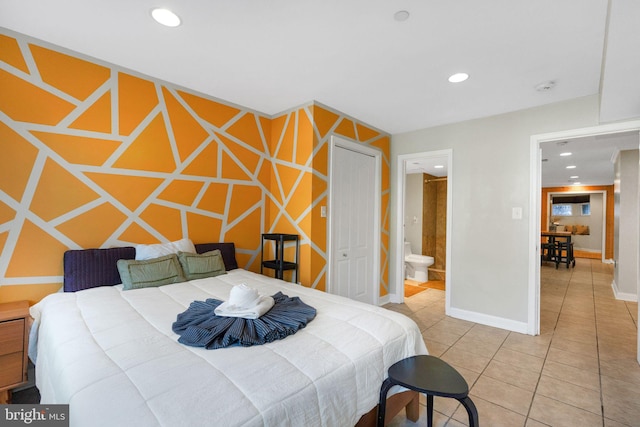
<point>394,298</point>
<point>384,299</point>
<point>471,316</point>
<point>623,296</point>
<point>488,320</point>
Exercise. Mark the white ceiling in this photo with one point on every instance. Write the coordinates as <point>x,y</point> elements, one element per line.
<point>620,92</point>
<point>273,55</point>
<point>593,158</point>
<point>351,54</point>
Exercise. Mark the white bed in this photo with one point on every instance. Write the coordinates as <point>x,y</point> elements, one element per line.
<point>113,357</point>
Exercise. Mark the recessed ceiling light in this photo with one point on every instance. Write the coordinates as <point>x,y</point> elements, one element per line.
<point>458,77</point>
<point>574,177</point>
<point>401,15</point>
<point>565,154</point>
<point>438,166</point>
<point>165,17</point>
<point>571,167</point>
<point>577,183</point>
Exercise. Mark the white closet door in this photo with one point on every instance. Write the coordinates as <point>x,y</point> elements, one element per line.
<point>352,224</point>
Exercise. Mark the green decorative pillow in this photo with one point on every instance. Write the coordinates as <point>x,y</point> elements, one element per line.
<point>160,271</point>
<point>199,266</point>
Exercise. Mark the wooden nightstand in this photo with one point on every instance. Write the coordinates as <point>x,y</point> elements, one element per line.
<point>14,335</point>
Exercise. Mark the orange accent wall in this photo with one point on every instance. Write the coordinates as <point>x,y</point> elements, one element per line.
<point>299,143</point>
<point>96,156</point>
<point>609,209</point>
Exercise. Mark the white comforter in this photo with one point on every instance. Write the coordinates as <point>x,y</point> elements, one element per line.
<point>112,356</point>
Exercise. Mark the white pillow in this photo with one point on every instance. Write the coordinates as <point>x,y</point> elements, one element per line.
<point>162,249</point>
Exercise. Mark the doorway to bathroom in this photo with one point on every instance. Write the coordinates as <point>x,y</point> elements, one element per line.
<point>424,222</point>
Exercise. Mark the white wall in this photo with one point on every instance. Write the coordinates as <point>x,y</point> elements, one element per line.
<point>413,211</point>
<point>491,175</point>
<point>626,248</point>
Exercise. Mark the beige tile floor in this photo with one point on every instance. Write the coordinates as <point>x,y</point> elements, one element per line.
<point>580,371</point>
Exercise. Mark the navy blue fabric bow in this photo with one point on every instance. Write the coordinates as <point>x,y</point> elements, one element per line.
<point>198,326</point>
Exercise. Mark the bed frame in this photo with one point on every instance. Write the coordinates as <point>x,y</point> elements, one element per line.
<point>89,268</point>
<point>409,400</point>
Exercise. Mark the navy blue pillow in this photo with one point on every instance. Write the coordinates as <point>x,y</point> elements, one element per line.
<point>228,251</point>
<point>90,268</point>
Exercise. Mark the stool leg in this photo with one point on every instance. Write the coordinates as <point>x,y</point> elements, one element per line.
<point>471,411</point>
<point>382,404</point>
<point>429,410</point>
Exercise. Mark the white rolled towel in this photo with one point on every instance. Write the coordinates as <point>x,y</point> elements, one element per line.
<point>243,296</point>
<point>244,302</point>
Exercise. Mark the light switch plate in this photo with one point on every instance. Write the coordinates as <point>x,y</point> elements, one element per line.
<point>516,213</point>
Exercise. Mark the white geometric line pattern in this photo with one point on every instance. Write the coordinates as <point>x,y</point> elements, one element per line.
<point>106,157</point>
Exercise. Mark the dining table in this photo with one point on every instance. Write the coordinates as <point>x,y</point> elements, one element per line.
<point>556,246</point>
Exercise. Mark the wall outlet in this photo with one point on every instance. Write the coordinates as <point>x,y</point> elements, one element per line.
<point>323,211</point>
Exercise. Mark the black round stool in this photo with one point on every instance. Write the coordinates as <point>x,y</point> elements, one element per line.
<point>431,376</point>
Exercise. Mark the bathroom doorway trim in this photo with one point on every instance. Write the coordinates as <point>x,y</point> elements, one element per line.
<point>403,160</point>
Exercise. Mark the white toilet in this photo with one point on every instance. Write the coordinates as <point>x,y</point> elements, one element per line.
<point>416,265</point>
